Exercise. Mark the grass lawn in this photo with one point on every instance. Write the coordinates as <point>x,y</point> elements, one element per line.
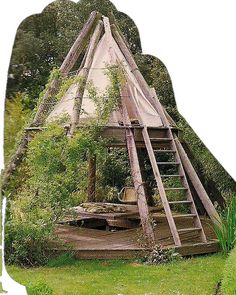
<point>190,276</point>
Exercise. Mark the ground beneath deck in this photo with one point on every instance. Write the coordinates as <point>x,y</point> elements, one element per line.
<point>95,243</point>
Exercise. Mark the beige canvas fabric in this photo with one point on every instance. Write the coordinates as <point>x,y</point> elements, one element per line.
<point>108,53</point>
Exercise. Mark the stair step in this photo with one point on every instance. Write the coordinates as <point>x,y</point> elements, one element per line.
<point>180,202</point>
<point>171,175</point>
<point>175,188</point>
<point>189,229</point>
<point>184,215</point>
<point>168,163</point>
<point>160,139</point>
<point>165,151</point>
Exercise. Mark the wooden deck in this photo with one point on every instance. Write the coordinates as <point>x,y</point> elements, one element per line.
<point>88,243</point>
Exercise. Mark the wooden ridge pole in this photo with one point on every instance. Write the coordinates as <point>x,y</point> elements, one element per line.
<point>84,75</point>
<point>202,194</point>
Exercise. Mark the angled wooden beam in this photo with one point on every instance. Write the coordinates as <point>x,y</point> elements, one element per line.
<point>137,178</point>
<point>15,160</point>
<point>79,43</point>
<point>202,194</point>
<point>136,72</point>
<point>84,75</point>
<point>67,64</point>
<point>157,175</point>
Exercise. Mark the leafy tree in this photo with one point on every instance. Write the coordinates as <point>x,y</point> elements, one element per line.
<point>43,40</point>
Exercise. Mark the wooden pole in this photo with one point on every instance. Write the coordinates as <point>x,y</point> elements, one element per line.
<point>16,159</point>
<point>137,178</point>
<point>202,194</point>
<point>135,70</point>
<point>92,178</point>
<point>67,64</point>
<point>84,75</point>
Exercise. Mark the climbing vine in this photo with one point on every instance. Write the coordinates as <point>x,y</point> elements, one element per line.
<point>56,176</point>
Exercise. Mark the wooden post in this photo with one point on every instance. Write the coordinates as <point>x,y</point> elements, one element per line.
<point>202,194</point>
<point>92,178</point>
<point>84,75</point>
<point>67,64</point>
<point>137,178</point>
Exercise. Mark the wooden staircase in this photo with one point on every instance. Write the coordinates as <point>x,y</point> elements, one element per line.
<point>172,169</point>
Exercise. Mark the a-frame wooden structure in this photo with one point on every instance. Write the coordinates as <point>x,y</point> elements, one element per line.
<point>160,139</point>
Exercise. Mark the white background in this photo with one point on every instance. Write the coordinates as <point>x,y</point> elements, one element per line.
<point>196,41</point>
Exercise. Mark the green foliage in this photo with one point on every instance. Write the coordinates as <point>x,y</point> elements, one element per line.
<point>39,288</point>
<point>159,255</point>
<point>229,280</point>
<point>15,119</point>
<point>226,228</point>
<point>66,82</point>
<point>157,76</point>
<point>43,40</point>
<point>55,179</point>
<point>29,226</point>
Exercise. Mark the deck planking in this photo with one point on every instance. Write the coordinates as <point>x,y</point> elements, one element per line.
<point>88,243</point>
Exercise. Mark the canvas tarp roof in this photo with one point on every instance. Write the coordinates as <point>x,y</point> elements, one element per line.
<point>108,53</point>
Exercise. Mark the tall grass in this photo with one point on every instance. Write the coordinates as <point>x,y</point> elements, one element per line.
<point>226,228</point>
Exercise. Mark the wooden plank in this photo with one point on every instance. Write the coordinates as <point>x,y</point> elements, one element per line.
<point>94,243</point>
<point>210,209</point>
<point>185,250</point>
<point>199,248</point>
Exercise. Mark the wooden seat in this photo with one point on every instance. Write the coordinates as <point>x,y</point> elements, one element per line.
<point>127,195</point>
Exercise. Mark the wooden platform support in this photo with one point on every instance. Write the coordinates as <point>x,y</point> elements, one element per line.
<point>84,75</point>
<point>137,178</point>
<point>210,209</point>
<point>92,178</point>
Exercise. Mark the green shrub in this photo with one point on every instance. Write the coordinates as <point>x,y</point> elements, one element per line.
<point>160,255</point>
<point>29,227</point>
<point>55,179</point>
<point>39,288</point>
<point>14,122</point>
<point>226,228</point>
<point>229,278</point>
